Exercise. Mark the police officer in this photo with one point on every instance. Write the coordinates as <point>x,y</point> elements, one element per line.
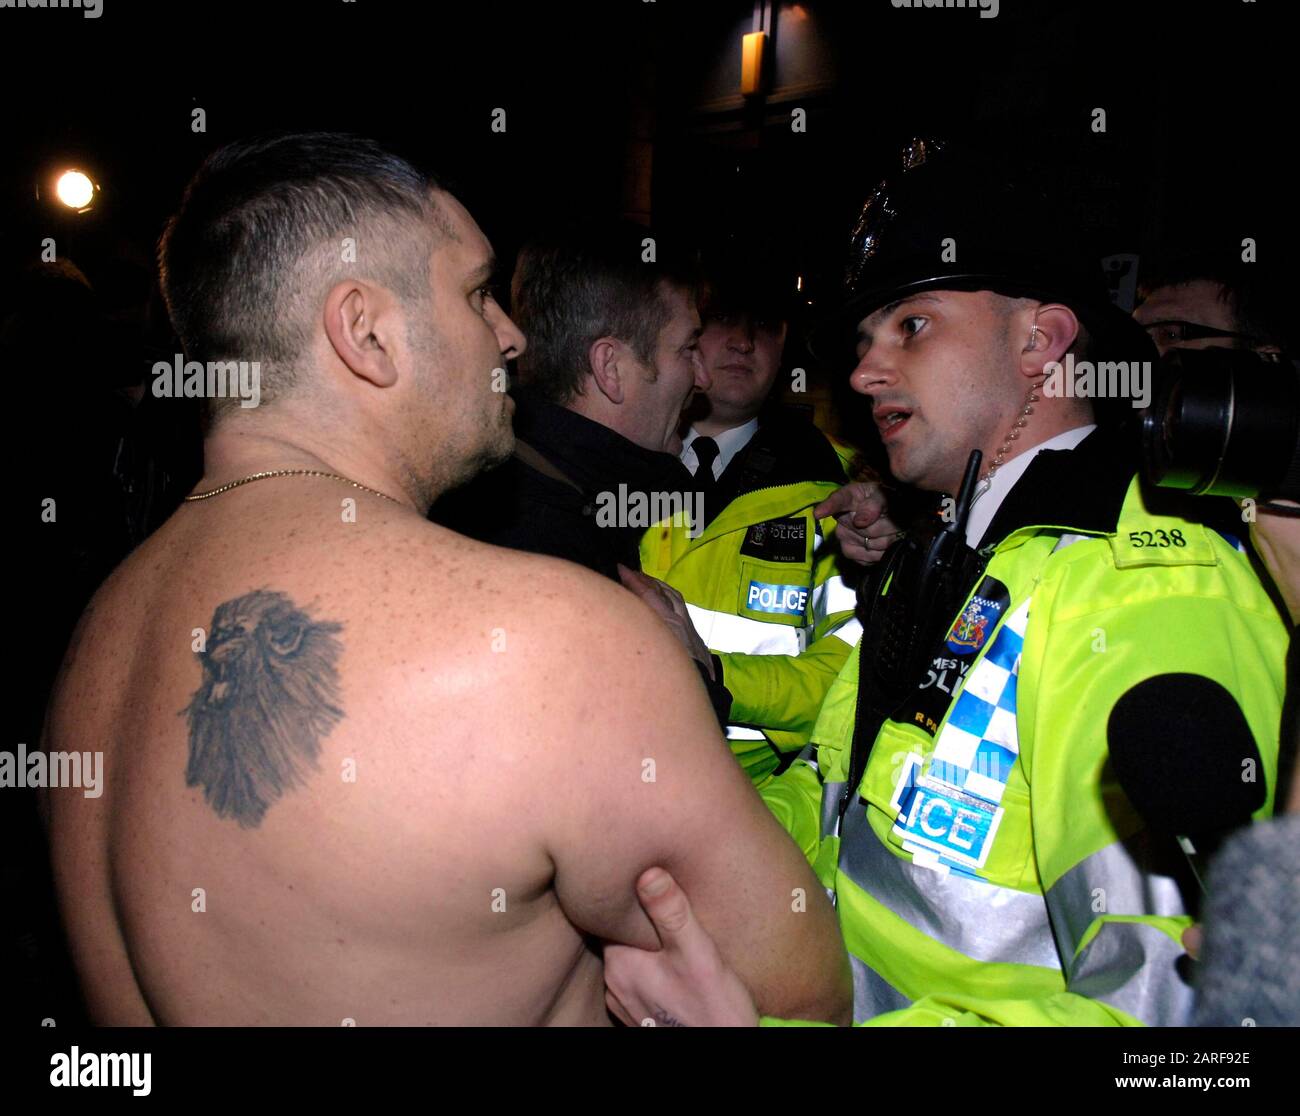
<point>985,864</point>
<point>761,582</point>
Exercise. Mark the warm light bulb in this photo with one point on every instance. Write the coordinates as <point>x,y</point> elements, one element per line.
<point>75,190</point>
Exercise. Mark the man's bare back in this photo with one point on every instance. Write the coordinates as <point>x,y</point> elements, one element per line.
<point>356,767</point>
<point>328,773</point>
<point>366,798</point>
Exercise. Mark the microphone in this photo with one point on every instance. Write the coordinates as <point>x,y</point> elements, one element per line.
<point>1185,757</point>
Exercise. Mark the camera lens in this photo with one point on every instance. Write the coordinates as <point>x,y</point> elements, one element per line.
<point>1225,422</point>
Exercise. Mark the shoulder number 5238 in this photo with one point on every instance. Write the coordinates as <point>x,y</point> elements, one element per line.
<point>1157,538</point>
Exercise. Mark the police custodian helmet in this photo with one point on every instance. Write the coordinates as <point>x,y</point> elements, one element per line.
<point>950,221</point>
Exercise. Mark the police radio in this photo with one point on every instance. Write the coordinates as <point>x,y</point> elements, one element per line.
<point>926,579</point>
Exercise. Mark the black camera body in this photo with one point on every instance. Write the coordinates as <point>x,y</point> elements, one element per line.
<point>1225,422</point>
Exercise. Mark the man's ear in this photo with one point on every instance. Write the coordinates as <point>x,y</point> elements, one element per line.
<point>1052,330</point>
<point>608,358</point>
<point>363,323</point>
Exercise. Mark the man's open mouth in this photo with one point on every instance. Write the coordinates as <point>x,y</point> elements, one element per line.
<point>891,421</point>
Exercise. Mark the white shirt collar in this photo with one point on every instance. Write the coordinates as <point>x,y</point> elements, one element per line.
<point>985,505</point>
<point>730,442</point>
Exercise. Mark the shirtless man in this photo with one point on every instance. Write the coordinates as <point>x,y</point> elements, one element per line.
<point>357,766</point>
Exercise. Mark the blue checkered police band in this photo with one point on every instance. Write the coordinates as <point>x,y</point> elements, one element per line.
<point>949,808</point>
<point>954,654</point>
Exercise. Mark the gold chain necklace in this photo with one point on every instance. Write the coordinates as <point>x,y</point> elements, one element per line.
<point>287,473</point>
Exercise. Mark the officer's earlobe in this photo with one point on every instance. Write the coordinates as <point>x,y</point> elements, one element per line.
<point>1050,338</point>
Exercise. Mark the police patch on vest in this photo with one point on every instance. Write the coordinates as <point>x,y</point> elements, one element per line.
<point>977,620</point>
<point>955,826</point>
<point>954,654</point>
<point>788,600</point>
<point>777,540</point>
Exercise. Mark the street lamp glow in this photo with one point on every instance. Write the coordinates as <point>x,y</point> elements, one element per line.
<point>74,189</point>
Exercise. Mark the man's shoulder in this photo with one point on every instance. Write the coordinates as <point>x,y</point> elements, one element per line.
<point>1159,529</point>
<point>547,650</point>
<point>537,592</point>
<point>1165,550</point>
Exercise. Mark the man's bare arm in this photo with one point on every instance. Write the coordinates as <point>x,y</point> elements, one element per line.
<point>650,781</point>
<point>686,983</point>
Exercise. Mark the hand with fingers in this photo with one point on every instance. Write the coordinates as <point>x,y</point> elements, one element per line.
<point>671,608</point>
<point>685,983</point>
<point>865,530</point>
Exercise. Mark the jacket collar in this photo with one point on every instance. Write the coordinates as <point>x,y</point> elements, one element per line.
<point>596,458</point>
<point>1082,489</point>
<point>787,449</point>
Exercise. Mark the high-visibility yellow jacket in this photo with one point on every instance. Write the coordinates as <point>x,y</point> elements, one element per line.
<point>989,870</point>
<point>763,587</point>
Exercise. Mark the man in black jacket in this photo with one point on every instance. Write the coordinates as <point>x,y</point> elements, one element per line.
<point>612,360</point>
<point>547,497</point>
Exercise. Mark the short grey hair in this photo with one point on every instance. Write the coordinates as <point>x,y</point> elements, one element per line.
<point>259,238</point>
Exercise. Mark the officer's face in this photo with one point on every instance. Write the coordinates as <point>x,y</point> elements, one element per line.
<point>742,354</point>
<point>655,396</point>
<point>941,372</point>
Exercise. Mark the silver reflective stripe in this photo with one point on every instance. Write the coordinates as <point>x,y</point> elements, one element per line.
<point>872,993</point>
<point>1069,540</point>
<point>740,732</point>
<point>979,920</point>
<point>1116,880</point>
<point>832,596</point>
<point>850,632</point>
<point>724,631</point>
<point>831,808</point>
<point>1133,966</point>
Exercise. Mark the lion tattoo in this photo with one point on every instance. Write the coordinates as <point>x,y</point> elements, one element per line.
<point>269,696</point>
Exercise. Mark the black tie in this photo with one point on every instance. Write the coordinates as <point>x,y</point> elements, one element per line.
<point>706,451</point>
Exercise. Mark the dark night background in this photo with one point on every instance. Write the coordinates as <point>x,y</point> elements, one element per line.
<point>618,107</point>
